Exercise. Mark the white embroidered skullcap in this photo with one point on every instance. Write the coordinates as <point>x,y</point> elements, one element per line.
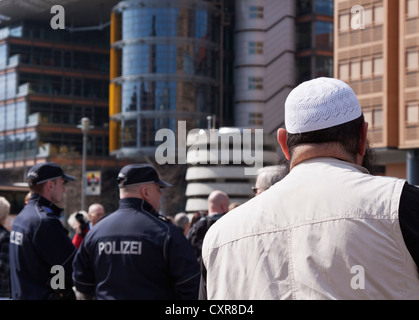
<point>319,104</point>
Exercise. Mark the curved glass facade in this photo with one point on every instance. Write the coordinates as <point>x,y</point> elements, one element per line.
<point>165,60</point>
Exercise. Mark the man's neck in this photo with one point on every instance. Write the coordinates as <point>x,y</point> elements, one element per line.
<point>310,151</point>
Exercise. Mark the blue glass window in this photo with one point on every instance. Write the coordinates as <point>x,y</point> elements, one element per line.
<point>324,7</point>
<point>324,35</point>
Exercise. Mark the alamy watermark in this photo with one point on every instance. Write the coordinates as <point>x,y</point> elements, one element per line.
<point>358,280</point>
<point>358,17</point>
<point>57,21</point>
<point>58,280</point>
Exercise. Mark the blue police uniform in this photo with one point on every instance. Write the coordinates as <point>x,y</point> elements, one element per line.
<point>38,241</point>
<point>135,253</point>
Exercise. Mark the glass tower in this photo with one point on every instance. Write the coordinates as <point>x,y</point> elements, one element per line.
<point>165,68</point>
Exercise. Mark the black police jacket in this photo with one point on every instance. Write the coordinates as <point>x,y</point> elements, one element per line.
<point>135,253</point>
<point>38,242</point>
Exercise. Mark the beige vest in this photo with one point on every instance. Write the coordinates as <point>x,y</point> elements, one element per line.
<point>326,231</point>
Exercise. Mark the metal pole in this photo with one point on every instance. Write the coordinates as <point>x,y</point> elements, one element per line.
<point>85,124</point>
<point>83,190</point>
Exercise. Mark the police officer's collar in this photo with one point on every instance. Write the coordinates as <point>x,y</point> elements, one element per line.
<point>43,202</point>
<point>139,204</point>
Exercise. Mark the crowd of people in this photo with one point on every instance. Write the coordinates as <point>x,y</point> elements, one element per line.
<point>311,221</point>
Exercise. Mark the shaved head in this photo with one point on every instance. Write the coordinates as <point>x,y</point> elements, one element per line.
<point>218,202</point>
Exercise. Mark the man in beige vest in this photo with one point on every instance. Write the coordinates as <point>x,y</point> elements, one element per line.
<point>329,229</point>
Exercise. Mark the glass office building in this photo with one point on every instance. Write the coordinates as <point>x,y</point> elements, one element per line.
<point>165,68</point>
<point>49,80</point>
<point>314,39</point>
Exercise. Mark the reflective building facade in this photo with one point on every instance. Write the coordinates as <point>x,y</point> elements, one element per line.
<point>49,80</point>
<point>165,68</point>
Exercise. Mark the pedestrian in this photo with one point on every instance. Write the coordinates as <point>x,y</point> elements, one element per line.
<point>218,202</point>
<point>329,229</point>
<point>4,250</point>
<point>181,220</point>
<point>39,243</point>
<point>268,176</point>
<point>79,222</point>
<point>135,252</point>
<point>95,212</point>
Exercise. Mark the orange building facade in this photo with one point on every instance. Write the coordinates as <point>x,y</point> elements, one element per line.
<point>376,51</point>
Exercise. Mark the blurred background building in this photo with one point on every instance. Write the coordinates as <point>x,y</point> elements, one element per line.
<point>134,67</point>
<point>49,80</point>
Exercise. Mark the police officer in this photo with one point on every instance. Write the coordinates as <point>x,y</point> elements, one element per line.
<point>38,240</point>
<point>136,253</point>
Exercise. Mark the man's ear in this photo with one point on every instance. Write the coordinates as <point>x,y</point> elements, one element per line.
<point>49,185</point>
<point>143,192</point>
<point>282,139</point>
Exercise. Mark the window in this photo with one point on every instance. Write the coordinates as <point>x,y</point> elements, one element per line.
<point>412,8</point>
<point>412,59</point>
<point>344,71</point>
<point>378,66</point>
<point>378,15</point>
<point>355,70</point>
<point>344,22</point>
<point>303,31</point>
<point>324,35</point>
<point>412,113</point>
<point>368,116</point>
<point>255,119</point>
<point>324,7</point>
<point>255,83</point>
<point>3,56</point>
<point>324,66</point>
<point>374,116</point>
<point>368,16</point>
<point>255,47</point>
<point>255,12</point>
<point>366,68</point>
<point>377,117</point>
<point>304,7</point>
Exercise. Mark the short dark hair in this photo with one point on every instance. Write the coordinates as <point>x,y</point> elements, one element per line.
<point>347,134</point>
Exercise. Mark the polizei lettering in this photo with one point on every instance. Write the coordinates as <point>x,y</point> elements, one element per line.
<point>120,247</point>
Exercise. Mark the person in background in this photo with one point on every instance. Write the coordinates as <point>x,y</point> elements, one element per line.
<point>182,221</point>
<point>79,222</point>
<point>218,202</point>
<point>4,250</point>
<point>95,212</point>
<point>268,176</point>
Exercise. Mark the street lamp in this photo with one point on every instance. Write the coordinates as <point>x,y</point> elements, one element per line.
<point>85,126</point>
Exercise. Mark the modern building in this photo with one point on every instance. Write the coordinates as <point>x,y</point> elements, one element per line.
<point>167,65</point>
<point>136,66</point>
<point>225,159</point>
<point>235,61</point>
<point>278,45</point>
<point>376,53</point>
<point>408,99</point>
<point>49,80</point>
